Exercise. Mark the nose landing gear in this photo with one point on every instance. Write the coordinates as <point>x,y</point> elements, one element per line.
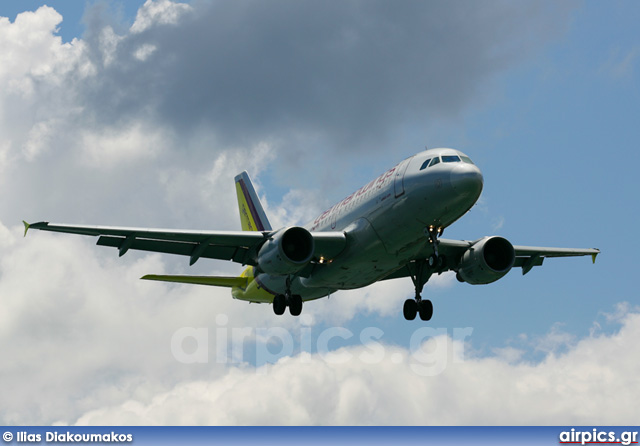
<point>435,260</point>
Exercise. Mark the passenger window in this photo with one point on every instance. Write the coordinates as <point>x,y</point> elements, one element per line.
<point>451,159</point>
<point>434,161</point>
<point>425,164</point>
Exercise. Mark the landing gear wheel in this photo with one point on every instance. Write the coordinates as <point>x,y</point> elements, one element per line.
<point>279,304</point>
<point>433,261</point>
<point>425,309</point>
<point>410,309</point>
<point>295,305</point>
<point>442,260</point>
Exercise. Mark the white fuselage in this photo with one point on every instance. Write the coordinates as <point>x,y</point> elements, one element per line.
<point>385,221</point>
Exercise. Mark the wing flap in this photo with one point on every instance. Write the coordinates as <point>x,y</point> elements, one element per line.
<point>237,254</point>
<point>528,251</point>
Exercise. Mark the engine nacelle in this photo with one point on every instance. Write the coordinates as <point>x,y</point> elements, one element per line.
<point>486,261</point>
<point>287,252</point>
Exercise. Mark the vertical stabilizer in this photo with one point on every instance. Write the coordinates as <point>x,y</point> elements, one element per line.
<point>252,214</point>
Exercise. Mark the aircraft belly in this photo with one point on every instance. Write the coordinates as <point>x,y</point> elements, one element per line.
<point>364,261</point>
<point>363,274</point>
<point>271,285</point>
<point>401,227</point>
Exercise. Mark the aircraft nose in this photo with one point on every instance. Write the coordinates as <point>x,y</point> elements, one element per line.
<point>466,180</point>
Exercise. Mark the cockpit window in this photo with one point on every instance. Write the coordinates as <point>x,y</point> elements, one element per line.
<point>466,159</point>
<point>434,161</point>
<point>450,159</point>
<point>425,164</point>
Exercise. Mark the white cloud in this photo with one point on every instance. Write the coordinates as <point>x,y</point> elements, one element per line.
<point>163,12</point>
<point>594,382</point>
<point>28,47</point>
<point>210,188</point>
<point>556,340</point>
<point>39,139</point>
<point>78,329</point>
<point>106,148</point>
<point>144,52</point>
<point>34,68</point>
<point>109,41</point>
<point>298,207</point>
<point>621,309</point>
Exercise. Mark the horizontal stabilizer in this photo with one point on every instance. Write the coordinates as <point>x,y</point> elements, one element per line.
<point>201,280</point>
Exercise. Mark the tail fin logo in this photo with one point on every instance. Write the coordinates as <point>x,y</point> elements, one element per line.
<point>252,215</point>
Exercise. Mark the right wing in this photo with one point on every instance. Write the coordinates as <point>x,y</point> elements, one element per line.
<point>526,256</point>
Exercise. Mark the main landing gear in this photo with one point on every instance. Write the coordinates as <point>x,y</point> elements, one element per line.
<point>413,307</point>
<point>421,274</point>
<point>282,301</point>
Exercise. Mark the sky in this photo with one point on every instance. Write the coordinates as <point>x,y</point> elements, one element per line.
<point>141,113</point>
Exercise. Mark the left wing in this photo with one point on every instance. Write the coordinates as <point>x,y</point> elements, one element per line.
<point>237,246</point>
<point>526,256</point>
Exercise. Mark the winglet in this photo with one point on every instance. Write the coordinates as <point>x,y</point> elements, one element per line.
<point>593,257</point>
<point>26,227</point>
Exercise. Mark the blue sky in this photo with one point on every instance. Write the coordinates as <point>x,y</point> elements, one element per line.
<point>145,122</point>
<point>549,138</point>
<point>74,25</point>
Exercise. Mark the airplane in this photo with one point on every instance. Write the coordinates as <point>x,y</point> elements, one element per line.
<point>389,228</point>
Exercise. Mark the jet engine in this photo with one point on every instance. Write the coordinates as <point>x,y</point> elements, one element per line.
<point>286,252</point>
<point>486,261</point>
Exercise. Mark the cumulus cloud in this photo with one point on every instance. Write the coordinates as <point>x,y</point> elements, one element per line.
<point>78,327</point>
<point>79,330</point>
<point>308,75</point>
<point>592,383</point>
<point>347,72</point>
<point>126,108</point>
<point>160,12</point>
